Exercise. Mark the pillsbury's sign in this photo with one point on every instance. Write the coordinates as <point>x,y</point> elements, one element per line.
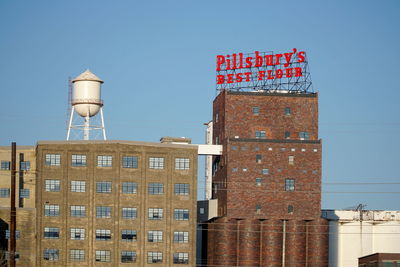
<point>263,71</point>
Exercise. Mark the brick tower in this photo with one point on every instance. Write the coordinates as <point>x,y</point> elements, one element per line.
<point>268,181</point>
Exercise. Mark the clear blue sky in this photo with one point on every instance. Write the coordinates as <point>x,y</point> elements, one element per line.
<point>157,59</point>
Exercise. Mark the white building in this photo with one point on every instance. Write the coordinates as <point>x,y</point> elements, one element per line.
<point>357,233</point>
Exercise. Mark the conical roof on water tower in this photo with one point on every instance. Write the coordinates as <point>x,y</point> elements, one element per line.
<point>86,94</point>
<point>87,75</point>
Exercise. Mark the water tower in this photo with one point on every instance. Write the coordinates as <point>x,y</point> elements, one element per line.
<point>86,102</point>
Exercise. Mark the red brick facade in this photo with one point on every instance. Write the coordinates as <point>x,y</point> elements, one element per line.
<point>268,181</point>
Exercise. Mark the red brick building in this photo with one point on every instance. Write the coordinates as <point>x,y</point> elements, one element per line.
<point>267,182</point>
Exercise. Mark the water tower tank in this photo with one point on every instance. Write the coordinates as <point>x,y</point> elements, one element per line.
<point>86,94</point>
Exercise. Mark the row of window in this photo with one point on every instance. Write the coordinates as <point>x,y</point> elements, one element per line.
<point>51,254</point>
<point>127,235</point>
<point>256,111</point>
<point>107,161</point>
<point>52,210</point>
<point>265,171</point>
<point>23,193</point>
<point>287,135</point>
<point>290,209</point>
<point>23,165</point>
<point>289,184</point>
<point>52,185</point>
<point>270,149</point>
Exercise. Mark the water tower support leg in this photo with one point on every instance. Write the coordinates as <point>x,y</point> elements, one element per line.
<point>70,122</point>
<point>102,124</point>
<point>86,128</point>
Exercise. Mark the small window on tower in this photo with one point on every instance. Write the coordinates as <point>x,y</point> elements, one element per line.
<point>258,181</point>
<point>304,135</point>
<point>291,160</point>
<point>287,111</point>
<point>258,158</point>
<point>256,110</point>
<point>216,117</point>
<point>258,208</point>
<point>287,135</point>
<point>290,209</point>
<point>260,134</point>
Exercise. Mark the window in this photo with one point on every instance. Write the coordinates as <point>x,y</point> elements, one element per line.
<point>77,234</point>
<point>155,214</point>
<point>304,135</point>
<point>256,110</point>
<point>52,185</point>
<point>182,164</point>
<point>265,171</point>
<point>128,235</point>
<point>78,186</point>
<point>17,234</point>
<point>53,160</point>
<point>287,111</point>
<point>260,134</point>
<point>289,185</point>
<point>24,193</point>
<point>182,189</point>
<point>128,256</point>
<point>129,162</point>
<point>156,189</point>
<point>291,160</point>
<point>25,165</point>
<point>202,210</point>
<point>181,237</point>
<point>128,213</point>
<point>78,160</point>
<point>156,163</point>
<point>103,212</point>
<point>104,161</point>
<point>216,117</point>
<point>258,181</point>
<point>78,211</point>
<point>51,210</point>
<point>77,255</point>
<point>287,135</point>
<point>103,234</point>
<point>290,209</point>
<point>181,214</point>
<point>181,258</point>
<point>51,254</point>
<point>103,187</point>
<point>314,171</point>
<point>51,233</point>
<point>5,165</point>
<point>4,192</point>
<point>129,188</point>
<point>258,158</point>
<point>103,255</point>
<point>154,236</point>
<point>258,208</point>
<point>154,257</point>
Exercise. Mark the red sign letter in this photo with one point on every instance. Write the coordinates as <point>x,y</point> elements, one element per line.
<point>220,79</point>
<point>220,61</point>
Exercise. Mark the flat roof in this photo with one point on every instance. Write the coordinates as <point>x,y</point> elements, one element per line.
<point>122,142</point>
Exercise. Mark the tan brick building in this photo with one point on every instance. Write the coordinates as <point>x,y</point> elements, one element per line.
<point>106,203</point>
<point>267,182</point>
<point>25,203</point>
<point>116,203</point>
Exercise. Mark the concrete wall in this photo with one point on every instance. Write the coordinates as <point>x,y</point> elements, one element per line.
<point>354,234</point>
